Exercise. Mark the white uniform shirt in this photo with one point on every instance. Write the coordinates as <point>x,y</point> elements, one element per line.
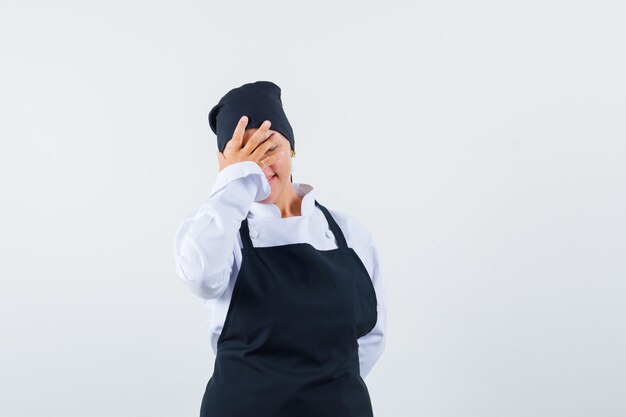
<point>207,245</point>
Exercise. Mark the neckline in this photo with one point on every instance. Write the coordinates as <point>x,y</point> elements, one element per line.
<point>270,211</point>
<point>342,246</point>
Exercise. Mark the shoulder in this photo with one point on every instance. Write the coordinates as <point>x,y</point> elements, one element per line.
<point>356,233</point>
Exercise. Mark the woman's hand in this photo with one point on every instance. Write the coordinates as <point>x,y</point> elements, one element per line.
<point>254,148</point>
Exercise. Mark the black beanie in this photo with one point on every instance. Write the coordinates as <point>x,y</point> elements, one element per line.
<point>259,101</point>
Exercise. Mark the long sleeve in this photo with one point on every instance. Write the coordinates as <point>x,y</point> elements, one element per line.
<point>371,345</point>
<point>205,241</point>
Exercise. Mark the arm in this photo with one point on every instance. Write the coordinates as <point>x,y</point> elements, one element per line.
<point>204,241</point>
<point>371,345</point>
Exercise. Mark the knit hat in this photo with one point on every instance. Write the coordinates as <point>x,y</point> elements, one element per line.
<point>259,101</point>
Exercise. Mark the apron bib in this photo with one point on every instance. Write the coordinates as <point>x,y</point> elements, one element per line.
<point>288,347</point>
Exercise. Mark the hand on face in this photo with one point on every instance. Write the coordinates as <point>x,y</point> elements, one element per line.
<point>254,149</point>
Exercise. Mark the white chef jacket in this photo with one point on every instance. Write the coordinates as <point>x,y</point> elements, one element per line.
<point>207,245</point>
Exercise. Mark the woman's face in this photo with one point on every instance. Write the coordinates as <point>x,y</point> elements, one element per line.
<point>278,173</point>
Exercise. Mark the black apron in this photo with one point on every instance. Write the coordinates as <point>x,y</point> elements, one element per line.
<point>288,347</point>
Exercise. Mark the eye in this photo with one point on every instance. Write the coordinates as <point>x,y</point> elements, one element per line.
<point>273,147</point>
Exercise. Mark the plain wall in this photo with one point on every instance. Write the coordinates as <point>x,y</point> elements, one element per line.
<point>482,143</point>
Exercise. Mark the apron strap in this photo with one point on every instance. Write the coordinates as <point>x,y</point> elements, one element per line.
<point>244,231</point>
<point>334,227</point>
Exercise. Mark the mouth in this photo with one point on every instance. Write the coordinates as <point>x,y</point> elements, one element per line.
<point>270,178</point>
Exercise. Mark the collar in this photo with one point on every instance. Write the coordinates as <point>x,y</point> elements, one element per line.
<point>305,191</point>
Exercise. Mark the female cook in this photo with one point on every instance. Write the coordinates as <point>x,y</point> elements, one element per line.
<point>298,307</point>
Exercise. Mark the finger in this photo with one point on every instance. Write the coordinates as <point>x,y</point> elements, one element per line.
<point>237,138</point>
<point>264,144</point>
<point>272,158</point>
<point>259,136</point>
<point>268,146</point>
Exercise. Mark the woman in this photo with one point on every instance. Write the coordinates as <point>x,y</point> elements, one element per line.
<point>295,289</point>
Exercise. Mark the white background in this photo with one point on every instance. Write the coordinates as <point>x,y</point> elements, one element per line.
<point>483,144</point>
